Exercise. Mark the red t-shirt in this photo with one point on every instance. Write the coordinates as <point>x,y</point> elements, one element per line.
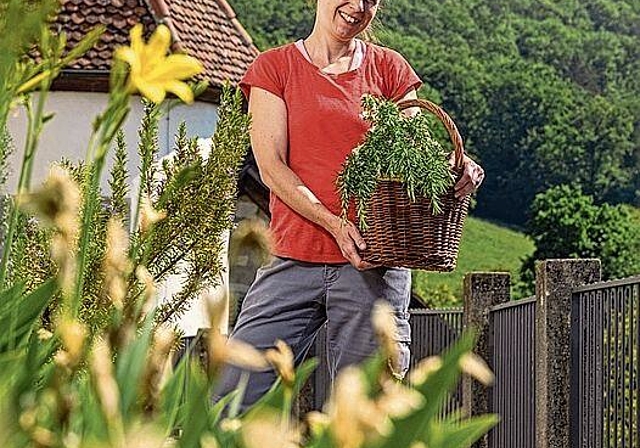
<point>324,125</point>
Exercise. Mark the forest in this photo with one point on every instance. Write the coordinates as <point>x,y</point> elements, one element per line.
<point>545,93</point>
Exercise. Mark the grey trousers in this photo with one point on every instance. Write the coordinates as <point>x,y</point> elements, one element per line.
<point>291,300</point>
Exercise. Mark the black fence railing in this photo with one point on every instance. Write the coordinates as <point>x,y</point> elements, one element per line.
<point>432,332</point>
<point>605,343</point>
<point>512,339</point>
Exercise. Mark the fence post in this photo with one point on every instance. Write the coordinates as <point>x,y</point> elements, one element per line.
<point>555,281</point>
<point>482,290</point>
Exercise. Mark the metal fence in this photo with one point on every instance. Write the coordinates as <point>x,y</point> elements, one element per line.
<point>512,338</point>
<point>605,342</point>
<point>432,331</point>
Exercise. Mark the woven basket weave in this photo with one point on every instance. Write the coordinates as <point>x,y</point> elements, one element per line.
<point>402,233</point>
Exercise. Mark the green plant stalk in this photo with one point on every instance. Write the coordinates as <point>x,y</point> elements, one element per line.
<point>286,408</point>
<point>234,407</point>
<point>34,129</point>
<point>108,125</point>
<point>143,241</point>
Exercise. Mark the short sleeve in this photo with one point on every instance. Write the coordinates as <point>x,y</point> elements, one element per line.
<point>401,78</point>
<point>266,72</point>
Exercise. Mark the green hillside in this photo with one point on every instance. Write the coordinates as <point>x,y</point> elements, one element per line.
<point>485,247</point>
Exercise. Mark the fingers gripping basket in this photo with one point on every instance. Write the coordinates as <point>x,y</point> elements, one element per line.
<point>402,233</point>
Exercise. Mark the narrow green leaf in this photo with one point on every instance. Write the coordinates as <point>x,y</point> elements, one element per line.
<point>130,366</point>
<point>20,320</point>
<point>197,400</point>
<point>275,398</point>
<point>463,434</point>
<point>435,391</point>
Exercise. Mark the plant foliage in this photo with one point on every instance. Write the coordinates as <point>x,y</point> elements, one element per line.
<point>398,148</point>
<point>567,223</point>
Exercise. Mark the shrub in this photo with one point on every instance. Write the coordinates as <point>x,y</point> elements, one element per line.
<point>566,223</point>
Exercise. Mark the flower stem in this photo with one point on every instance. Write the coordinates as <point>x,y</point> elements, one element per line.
<point>34,128</point>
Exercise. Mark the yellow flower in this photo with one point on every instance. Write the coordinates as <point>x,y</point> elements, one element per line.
<point>222,351</point>
<point>116,262</point>
<point>153,72</point>
<point>355,418</point>
<point>149,215</point>
<point>73,335</point>
<point>473,365</point>
<point>424,369</point>
<point>267,431</point>
<point>106,386</point>
<point>384,325</point>
<point>398,401</point>
<point>281,358</point>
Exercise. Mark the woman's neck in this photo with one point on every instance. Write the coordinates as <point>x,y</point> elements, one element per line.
<point>325,50</point>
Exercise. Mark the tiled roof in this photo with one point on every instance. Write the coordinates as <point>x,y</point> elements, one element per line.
<point>206,29</point>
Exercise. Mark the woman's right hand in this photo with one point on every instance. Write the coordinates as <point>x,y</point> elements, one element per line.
<point>350,242</point>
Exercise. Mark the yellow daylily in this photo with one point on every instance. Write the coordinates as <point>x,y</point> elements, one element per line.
<point>154,72</point>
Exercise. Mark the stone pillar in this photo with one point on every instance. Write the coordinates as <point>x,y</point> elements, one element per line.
<point>481,292</point>
<point>555,281</point>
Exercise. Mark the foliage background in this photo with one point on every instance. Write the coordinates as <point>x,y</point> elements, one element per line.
<point>544,93</point>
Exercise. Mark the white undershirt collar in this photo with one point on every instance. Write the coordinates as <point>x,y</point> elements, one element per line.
<point>356,61</point>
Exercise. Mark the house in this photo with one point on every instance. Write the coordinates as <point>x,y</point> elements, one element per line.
<point>206,29</point>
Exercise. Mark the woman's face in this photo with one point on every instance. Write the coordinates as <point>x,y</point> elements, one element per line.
<point>345,19</point>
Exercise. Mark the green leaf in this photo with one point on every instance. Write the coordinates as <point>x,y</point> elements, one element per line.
<point>275,399</point>
<point>195,412</point>
<point>435,391</point>
<point>23,316</point>
<point>47,117</point>
<point>216,410</point>
<point>172,395</point>
<point>10,298</point>
<point>460,435</point>
<point>130,366</point>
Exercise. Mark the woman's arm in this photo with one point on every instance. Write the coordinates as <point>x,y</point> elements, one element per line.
<point>270,146</point>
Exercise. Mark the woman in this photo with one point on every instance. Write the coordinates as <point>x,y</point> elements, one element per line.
<point>304,99</point>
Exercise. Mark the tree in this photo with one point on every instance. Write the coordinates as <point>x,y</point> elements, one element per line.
<point>567,223</point>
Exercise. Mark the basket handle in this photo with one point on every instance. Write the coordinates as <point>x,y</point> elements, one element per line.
<point>448,123</point>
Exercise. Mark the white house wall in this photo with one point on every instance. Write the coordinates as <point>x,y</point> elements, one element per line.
<point>67,135</point>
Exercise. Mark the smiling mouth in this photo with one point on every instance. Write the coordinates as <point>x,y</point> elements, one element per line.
<point>349,19</point>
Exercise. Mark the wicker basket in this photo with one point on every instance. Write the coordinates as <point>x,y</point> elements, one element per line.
<point>402,233</point>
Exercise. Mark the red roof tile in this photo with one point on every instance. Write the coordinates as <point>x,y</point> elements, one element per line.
<point>206,29</point>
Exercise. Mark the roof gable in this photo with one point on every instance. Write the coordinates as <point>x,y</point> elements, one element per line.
<point>205,29</point>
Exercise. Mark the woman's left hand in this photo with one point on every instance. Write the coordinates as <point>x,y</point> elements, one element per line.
<point>472,177</point>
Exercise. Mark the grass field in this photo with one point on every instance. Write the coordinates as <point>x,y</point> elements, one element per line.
<point>485,247</point>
